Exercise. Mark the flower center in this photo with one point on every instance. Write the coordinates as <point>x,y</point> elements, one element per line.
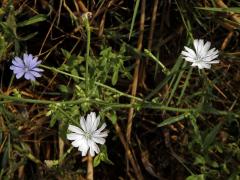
<point>88,135</point>
<point>199,57</point>
<point>26,69</point>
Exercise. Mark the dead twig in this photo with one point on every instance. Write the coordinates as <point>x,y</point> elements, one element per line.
<point>136,71</point>
<point>129,153</point>
<point>89,167</point>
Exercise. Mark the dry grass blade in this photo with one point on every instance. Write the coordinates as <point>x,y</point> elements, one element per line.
<point>136,71</point>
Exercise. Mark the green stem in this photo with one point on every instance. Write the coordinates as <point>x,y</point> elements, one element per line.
<point>87,25</point>
<point>164,69</point>
<point>118,106</point>
<point>97,83</point>
<point>10,84</point>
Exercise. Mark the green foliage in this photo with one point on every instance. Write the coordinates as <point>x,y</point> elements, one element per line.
<point>33,20</point>
<point>185,118</point>
<point>102,156</point>
<point>172,120</point>
<point>196,177</point>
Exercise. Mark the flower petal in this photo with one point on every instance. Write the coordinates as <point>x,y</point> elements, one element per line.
<point>29,76</point>
<point>102,127</point>
<point>27,58</point>
<point>204,50</point>
<point>213,62</point>
<point>83,147</point>
<point>19,75</point>
<point>83,124</point>
<point>74,136</point>
<point>75,129</point>
<point>37,70</point>
<point>102,134</point>
<point>18,62</point>
<point>33,63</point>
<point>95,122</point>
<point>190,59</point>
<point>189,52</point>
<point>36,74</point>
<point>99,140</point>
<point>93,147</point>
<point>16,69</point>
<point>90,123</point>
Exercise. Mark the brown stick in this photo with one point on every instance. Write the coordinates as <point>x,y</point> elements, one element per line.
<point>82,7</point>
<point>129,153</point>
<point>143,64</point>
<point>227,40</point>
<point>89,168</point>
<point>136,71</point>
<point>234,16</point>
<point>134,92</point>
<point>153,22</point>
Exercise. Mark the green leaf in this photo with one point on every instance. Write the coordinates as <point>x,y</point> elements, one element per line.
<point>196,129</point>
<point>102,156</point>
<point>66,53</point>
<point>2,12</point>
<point>199,160</point>
<point>11,23</point>
<point>115,75</point>
<point>53,121</point>
<point>97,160</point>
<point>134,18</point>
<point>51,163</point>
<point>3,47</point>
<point>196,177</point>
<point>29,36</point>
<point>172,120</point>
<point>112,116</point>
<point>5,153</point>
<point>63,88</point>
<point>33,20</point>
<point>211,136</point>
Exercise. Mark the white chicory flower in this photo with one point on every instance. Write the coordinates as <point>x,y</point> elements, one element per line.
<point>201,56</point>
<point>87,135</point>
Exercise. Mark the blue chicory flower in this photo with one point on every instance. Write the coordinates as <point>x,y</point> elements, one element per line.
<point>27,67</point>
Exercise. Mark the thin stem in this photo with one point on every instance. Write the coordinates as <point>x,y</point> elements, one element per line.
<point>10,84</point>
<point>87,25</point>
<point>164,69</point>
<point>104,104</point>
<point>97,83</point>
